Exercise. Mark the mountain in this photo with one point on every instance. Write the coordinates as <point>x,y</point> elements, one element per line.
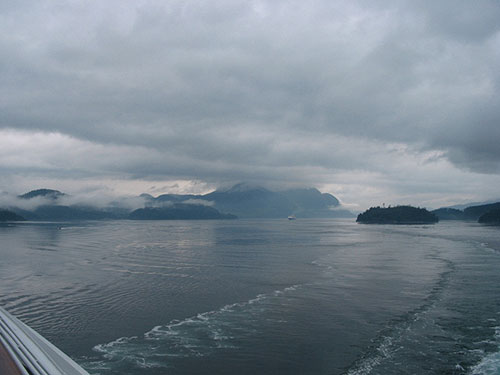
<point>475,212</point>
<point>464,206</point>
<point>179,211</point>
<point>68,213</point>
<point>256,202</point>
<point>52,210</point>
<point>397,215</point>
<point>26,214</point>
<point>311,199</point>
<point>447,213</point>
<point>6,215</point>
<point>178,198</point>
<point>241,200</point>
<point>491,217</point>
<point>248,201</point>
<point>45,193</point>
<point>310,203</point>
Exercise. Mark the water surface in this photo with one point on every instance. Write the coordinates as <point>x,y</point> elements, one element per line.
<point>259,296</point>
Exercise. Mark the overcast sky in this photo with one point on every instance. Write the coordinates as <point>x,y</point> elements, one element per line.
<point>372,101</point>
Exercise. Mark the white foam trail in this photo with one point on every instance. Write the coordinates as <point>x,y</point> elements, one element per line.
<point>384,351</point>
<point>489,365</point>
<point>199,335</point>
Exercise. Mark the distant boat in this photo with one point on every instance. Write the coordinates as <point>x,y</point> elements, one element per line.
<point>292,217</point>
<point>25,352</point>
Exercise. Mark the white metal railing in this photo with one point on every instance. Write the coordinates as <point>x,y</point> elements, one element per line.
<point>32,353</point>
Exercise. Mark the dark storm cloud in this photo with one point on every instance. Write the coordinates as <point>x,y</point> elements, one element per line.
<point>255,90</point>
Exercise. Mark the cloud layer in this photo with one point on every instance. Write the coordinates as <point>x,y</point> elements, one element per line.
<point>286,92</point>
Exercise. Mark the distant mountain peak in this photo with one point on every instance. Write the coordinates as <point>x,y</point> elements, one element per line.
<point>46,193</point>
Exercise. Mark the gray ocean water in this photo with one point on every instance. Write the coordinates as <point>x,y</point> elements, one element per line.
<point>259,297</point>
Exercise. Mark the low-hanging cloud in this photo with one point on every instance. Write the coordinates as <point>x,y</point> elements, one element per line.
<point>96,199</point>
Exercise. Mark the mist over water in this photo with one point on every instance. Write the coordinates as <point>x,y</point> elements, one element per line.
<point>259,296</point>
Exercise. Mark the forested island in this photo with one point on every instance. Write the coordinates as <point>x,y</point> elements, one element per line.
<point>397,215</point>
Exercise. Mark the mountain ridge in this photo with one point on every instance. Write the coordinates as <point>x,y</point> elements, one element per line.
<point>247,201</point>
<point>241,200</point>
<point>468,213</point>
